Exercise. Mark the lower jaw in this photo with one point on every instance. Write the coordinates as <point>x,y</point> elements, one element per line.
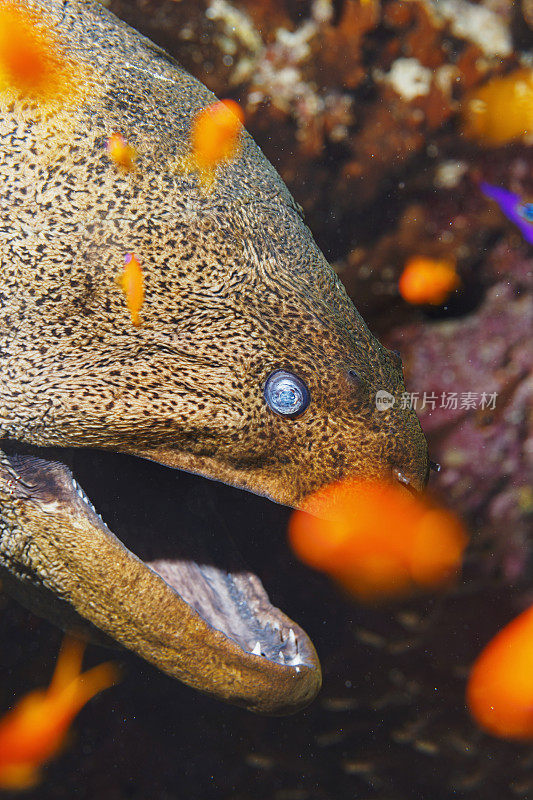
<point>182,527</point>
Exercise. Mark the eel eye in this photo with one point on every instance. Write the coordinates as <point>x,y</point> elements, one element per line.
<point>286,394</point>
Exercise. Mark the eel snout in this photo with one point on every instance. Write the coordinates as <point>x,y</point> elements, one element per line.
<point>191,616</point>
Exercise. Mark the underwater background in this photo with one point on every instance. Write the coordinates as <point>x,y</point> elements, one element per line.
<point>371,113</point>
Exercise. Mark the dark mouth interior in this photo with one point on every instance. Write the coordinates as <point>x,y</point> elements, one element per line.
<point>185,528</point>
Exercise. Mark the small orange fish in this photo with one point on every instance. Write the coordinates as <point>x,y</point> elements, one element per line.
<point>120,152</point>
<point>500,688</point>
<point>131,281</point>
<point>428,281</point>
<point>501,110</point>
<point>35,729</point>
<point>376,539</point>
<point>215,137</point>
<point>30,60</point>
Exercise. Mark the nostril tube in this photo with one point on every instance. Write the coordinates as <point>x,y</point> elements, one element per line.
<point>399,476</point>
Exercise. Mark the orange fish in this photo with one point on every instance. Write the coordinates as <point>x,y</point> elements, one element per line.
<point>131,281</point>
<point>428,281</point>
<point>120,152</point>
<point>215,137</point>
<point>500,687</point>
<point>30,60</point>
<point>501,110</point>
<point>34,730</point>
<point>377,540</point>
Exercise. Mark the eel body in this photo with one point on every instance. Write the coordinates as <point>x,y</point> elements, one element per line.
<point>236,290</point>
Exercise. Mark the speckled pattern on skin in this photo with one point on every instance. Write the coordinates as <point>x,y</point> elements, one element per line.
<point>235,288</point>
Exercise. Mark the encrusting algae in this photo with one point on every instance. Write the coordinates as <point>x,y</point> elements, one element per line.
<point>35,729</point>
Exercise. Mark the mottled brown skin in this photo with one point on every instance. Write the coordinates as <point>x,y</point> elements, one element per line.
<point>235,289</point>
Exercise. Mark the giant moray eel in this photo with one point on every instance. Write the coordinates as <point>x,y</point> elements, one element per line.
<point>236,291</point>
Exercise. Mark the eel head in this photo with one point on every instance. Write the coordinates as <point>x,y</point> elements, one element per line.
<point>251,367</point>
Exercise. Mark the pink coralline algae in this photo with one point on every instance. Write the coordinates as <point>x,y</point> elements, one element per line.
<point>472,382</point>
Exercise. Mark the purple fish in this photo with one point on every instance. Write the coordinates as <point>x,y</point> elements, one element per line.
<point>514,208</point>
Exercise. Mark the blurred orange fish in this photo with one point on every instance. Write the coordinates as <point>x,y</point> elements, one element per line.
<point>33,731</point>
<point>501,110</point>
<point>500,687</point>
<point>131,281</point>
<point>215,137</point>
<point>120,152</point>
<point>377,540</point>
<point>30,60</point>
<point>428,281</point>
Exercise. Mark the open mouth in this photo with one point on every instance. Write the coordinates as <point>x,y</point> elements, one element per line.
<point>179,527</point>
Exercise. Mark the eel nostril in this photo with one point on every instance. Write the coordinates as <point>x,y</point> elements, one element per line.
<point>398,474</point>
<point>434,466</point>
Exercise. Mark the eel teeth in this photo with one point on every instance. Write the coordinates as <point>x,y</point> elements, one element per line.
<point>274,629</point>
<point>291,645</point>
<point>257,649</point>
<point>81,494</point>
<point>281,657</point>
